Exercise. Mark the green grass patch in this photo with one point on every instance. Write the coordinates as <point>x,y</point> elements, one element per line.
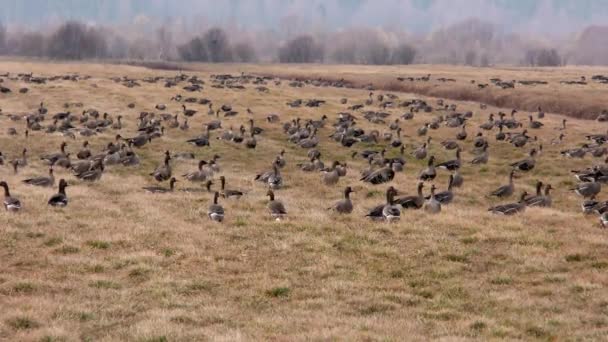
<point>98,244</point>
<point>22,323</point>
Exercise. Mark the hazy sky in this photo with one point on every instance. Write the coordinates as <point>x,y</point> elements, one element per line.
<point>542,16</point>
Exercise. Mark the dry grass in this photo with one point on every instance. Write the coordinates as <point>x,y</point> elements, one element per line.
<point>119,264</point>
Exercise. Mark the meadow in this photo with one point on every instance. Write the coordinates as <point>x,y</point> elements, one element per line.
<point>121,264</point>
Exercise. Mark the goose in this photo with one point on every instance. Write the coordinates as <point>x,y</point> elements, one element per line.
<point>51,158</point>
<point>539,187</point>
<point>275,180</point>
<point>489,124</point>
<point>500,136</point>
<point>118,124</point>
<point>130,159</point>
<point>451,165</point>
<point>163,172</point>
<point>520,140</point>
<point>85,153</point>
<point>140,140</point>
<point>588,190</point>
<point>540,114</point>
<point>604,219</point>
<point>276,208</point>
<point>11,204</point>
<point>255,129</point>
<point>42,181</point>
<point>511,208</point>
<point>412,202</point>
<point>505,190</point>
<point>308,167</point>
<point>199,175</point>
<point>458,179</point>
<point>280,159</point>
<point>535,124</point>
<point>60,199</point>
<point>480,141</point>
<point>563,128</point>
<point>432,205</point>
<point>161,190</point>
<point>93,174</point>
<point>397,142</point>
<point>226,193</point>
<point>226,135</point>
<point>541,200</point>
<point>423,130</point>
<point>387,211</point>
<point>382,175</point>
<point>462,135</point>
<point>344,206</point>
<point>526,164</point>
<point>446,197</point>
<point>575,153</point>
<point>429,173</point>
<point>188,112</point>
<point>216,211</point>
<point>481,158</point>
<point>450,144</point>
<point>251,143</point>
<point>331,175</point>
<point>421,152</point>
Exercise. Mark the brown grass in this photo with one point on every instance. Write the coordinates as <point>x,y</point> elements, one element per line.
<point>119,264</point>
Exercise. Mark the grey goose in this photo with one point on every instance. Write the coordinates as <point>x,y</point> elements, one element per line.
<point>446,197</point>
<point>541,200</point>
<point>276,208</point>
<point>414,201</point>
<point>387,211</point>
<point>227,193</point>
<point>11,203</point>
<point>216,211</point>
<point>60,199</point>
<point>510,208</point>
<point>344,206</point>
<point>44,181</point>
<point>429,173</point>
<point>505,190</point>
<point>526,164</point>
<point>163,171</point>
<point>451,165</point>
<point>432,205</point>
<point>588,190</point>
<point>382,175</point>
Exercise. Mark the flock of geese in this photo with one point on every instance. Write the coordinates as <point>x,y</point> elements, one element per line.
<point>510,130</point>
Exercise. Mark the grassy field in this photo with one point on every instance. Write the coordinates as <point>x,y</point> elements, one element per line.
<point>121,264</point>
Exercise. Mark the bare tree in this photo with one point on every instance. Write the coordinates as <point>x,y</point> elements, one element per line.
<point>217,45</point>
<point>244,53</point>
<point>302,49</point>
<point>2,39</point>
<point>404,54</point>
<point>74,40</point>
<point>194,51</point>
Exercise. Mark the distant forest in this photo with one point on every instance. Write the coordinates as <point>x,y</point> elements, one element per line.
<point>515,32</point>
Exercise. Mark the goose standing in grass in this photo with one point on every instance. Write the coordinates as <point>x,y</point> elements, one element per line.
<point>93,174</point>
<point>275,180</point>
<point>451,165</point>
<point>446,197</point>
<point>161,190</point>
<point>414,201</point>
<point>216,211</point>
<point>11,204</point>
<point>526,164</point>
<point>382,175</point>
<point>540,200</point>
<point>227,193</point>
<point>458,180</point>
<point>429,173</point>
<point>60,199</point>
<point>199,175</point>
<point>421,152</point>
<point>432,205</point>
<point>51,158</point>
<point>20,162</point>
<point>511,208</point>
<point>163,172</point>
<point>462,135</point>
<point>276,208</point>
<point>85,153</point>
<point>387,211</point>
<point>588,190</point>
<point>280,159</point>
<point>42,181</point>
<point>481,158</point>
<point>505,190</point>
<point>331,175</point>
<point>251,142</point>
<point>344,206</point>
